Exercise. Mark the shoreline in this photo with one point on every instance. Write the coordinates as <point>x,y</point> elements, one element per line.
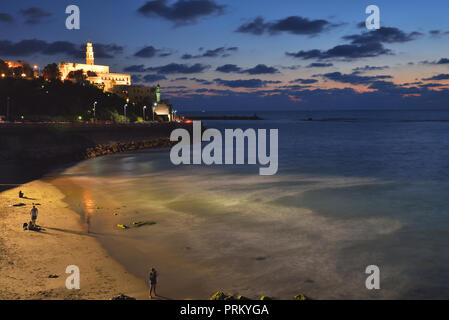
<point>28,258</point>
<point>170,262</point>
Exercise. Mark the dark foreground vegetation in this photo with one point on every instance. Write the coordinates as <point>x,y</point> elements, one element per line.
<point>40,100</point>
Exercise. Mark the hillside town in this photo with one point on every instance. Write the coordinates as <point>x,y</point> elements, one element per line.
<point>143,102</point>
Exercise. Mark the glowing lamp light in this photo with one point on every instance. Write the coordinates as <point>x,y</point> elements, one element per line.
<point>23,75</point>
<point>3,75</point>
<point>80,118</point>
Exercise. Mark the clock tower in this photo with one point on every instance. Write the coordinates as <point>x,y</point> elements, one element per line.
<point>90,54</point>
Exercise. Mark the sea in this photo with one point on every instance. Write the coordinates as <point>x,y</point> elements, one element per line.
<point>354,189</point>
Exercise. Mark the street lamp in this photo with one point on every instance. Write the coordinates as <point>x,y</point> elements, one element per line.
<point>95,109</point>
<point>143,111</point>
<point>36,67</point>
<point>124,110</point>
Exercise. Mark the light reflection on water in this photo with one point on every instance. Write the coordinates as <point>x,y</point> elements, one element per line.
<point>348,194</point>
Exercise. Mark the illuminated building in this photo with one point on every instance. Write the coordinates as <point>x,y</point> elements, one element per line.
<point>96,74</point>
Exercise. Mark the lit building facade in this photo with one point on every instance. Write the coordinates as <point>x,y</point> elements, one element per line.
<point>96,74</point>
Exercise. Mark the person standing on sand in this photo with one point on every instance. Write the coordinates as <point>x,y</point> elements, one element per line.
<point>153,282</point>
<point>34,215</point>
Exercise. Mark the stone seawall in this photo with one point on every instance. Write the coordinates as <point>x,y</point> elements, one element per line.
<point>29,151</point>
<point>33,143</point>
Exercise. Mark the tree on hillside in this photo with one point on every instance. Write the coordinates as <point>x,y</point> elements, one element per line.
<point>78,76</point>
<point>24,69</point>
<point>51,72</point>
<point>4,68</point>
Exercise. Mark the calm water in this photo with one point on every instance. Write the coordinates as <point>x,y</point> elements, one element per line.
<point>353,189</point>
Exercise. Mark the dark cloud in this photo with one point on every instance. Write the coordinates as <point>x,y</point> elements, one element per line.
<point>295,67</point>
<point>434,32</point>
<point>345,51</point>
<point>256,26</point>
<point>437,33</point>
<point>353,78</point>
<point>135,68</point>
<point>174,68</point>
<point>182,11</point>
<point>136,78</point>
<point>228,68</point>
<point>433,85</point>
<point>259,69</point>
<point>146,52</point>
<point>6,18</point>
<point>150,52</point>
<point>319,65</point>
<point>154,77</point>
<point>304,81</point>
<point>293,24</point>
<point>442,76</point>
<point>25,48</point>
<point>22,48</point>
<point>382,35</point>
<point>165,54</point>
<point>251,83</point>
<point>34,15</point>
<point>369,68</point>
<point>202,81</point>
<point>441,61</point>
<point>364,45</point>
<point>61,47</point>
<point>218,52</point>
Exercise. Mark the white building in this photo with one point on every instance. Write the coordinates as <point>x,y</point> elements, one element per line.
<point>96,74</point>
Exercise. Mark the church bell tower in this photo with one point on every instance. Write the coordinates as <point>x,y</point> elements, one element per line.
<point>89,54</point>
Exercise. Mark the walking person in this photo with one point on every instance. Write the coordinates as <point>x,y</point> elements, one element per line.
<point>153,282</point>
<point>33,213</point>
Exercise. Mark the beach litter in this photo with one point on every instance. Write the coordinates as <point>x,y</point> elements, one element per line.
<point>143,223</point>
<point>122,296</point>
<point>137,224</point>
<point>53,276</point>
<point>220,295</point>
<point>300,297</point>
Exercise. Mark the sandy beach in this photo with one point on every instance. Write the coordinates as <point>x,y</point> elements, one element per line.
<point>28,258</point>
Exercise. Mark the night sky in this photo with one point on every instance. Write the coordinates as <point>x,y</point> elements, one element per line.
<point>250,55</point>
